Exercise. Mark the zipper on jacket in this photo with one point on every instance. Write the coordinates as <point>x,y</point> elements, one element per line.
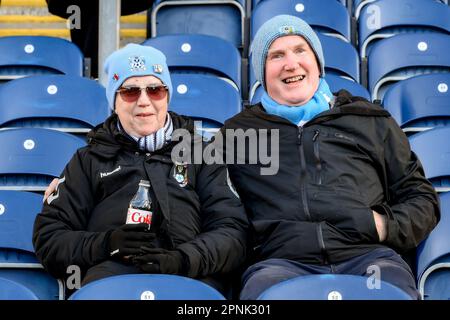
<point>323,249</point>
<point>317,156</point>
<point>303,173</point>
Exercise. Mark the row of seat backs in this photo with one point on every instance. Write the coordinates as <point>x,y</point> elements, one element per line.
<point>393,59</point>
<point>76,105</point>
<point>226,19</point>
<point>311,287</point>
<point>31,55</point>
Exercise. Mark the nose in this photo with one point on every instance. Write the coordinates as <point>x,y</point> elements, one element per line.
<point>292,61</point>
<point>143,100</point>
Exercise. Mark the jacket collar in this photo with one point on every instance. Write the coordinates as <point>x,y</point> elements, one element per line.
<point>344,104</point>
<point>106,140</point>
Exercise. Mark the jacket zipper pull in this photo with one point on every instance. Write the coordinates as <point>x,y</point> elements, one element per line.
<point>299,136</point>
<point>316,134</point>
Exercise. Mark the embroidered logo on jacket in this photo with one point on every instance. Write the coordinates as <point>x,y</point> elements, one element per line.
<point>105,174</point>
<point>55,193</point>
<point>180,174</point>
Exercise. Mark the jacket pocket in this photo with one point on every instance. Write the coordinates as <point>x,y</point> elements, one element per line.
<point>345,210</point>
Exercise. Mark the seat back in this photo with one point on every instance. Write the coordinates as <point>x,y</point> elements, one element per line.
<point>146,287</point>
<point>34,156</point>
<point>18,210</point>
<point>29,55</point>
<point>220,18</point>
<point>433,150</point>
<point>341,58</point>
<point>420,103</point>
<point>196,53</point>
<point>18,262</point>
<point>433,257</point>
<point>255,2</point>
<point>404,56</point>
<point>207,98</point>
<point>326,16</point>
<point>385,18</point>
<point>66,103</point>
<point>333,287</point>
<point>11,290</point>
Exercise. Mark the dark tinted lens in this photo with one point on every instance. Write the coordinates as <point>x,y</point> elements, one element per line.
<point>130,94</point>
<point>157,92</point>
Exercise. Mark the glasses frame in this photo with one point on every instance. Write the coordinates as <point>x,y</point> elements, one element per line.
<point>153,95</point>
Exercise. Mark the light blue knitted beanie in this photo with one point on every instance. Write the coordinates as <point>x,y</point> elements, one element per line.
<point>279,26</point>
<point>135,60</point>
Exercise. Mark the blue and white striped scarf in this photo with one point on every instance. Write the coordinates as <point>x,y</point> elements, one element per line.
<point>154,141</point>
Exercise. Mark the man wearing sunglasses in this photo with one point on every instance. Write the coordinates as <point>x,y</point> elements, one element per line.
<point>198,226</point>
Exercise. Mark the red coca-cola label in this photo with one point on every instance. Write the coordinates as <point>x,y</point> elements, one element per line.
<point>135,216</point>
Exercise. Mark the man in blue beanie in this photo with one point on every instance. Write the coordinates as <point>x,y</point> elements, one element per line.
<point>349,195</point>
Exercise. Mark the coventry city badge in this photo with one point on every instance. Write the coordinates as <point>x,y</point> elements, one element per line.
<point>180,174</point>
<point>137,63</point>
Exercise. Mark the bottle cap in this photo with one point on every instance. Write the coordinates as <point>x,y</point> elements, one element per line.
<point>144,183</point>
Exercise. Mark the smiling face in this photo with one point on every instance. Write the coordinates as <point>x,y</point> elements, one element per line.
<point>292,72</point>
<point>144,116</point>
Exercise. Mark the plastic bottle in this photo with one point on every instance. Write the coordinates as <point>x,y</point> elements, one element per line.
<point>141,208</point>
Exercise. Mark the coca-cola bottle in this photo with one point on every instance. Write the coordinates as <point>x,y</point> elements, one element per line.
<point>141,209</point>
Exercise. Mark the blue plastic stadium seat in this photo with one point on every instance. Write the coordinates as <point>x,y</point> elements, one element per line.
<point>341,58</point>
<point>433,257</point>
<point>337,83</point>
<point>146,287</point>
<point>195,53</point>
<point>385,18</point>
<point>333,287</point>
<point>10,290</point>
<point>420,103</point>
<point>359,5</point>
<point>30,55</point>
<point>433,149</point>
<point>18,262</point>
<point>32,157</point>
<point>404,56</point>
<point>206,98</point>
<point>325,16</point>
<point>222,18</point>
<point>255,2</point>
<point>66,103</point>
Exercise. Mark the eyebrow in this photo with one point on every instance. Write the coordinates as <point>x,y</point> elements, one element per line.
<point>273,51</point>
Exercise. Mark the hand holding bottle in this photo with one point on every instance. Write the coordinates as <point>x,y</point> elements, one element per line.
<point>127,240</point>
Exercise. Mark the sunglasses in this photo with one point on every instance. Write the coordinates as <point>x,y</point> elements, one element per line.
<point>132,94</point>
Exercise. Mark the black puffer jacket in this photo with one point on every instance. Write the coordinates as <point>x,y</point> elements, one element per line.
<point>333,172</point>
<point>203,219</point>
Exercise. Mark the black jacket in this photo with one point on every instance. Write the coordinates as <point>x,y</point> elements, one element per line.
<point>203,219</point>
<point>333,172</point>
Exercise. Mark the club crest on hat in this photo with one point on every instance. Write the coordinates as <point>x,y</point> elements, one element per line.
<point>115,77</point>
<point>287,29</point>
<point>137,63</point>
<point>157,68</point>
